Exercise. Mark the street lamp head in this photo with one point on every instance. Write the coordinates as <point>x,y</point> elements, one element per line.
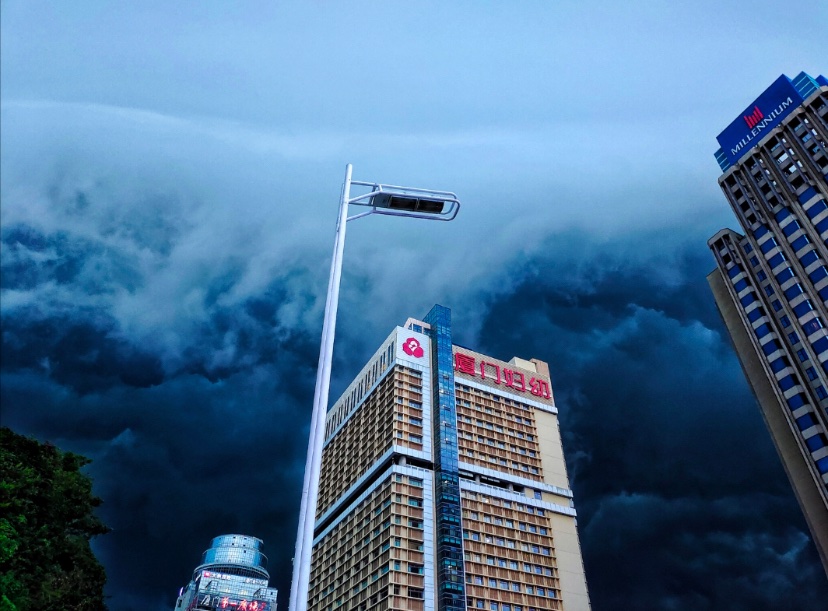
<point>410,203</point>
<point>407,201</point>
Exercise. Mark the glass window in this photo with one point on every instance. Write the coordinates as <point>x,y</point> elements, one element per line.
<point>790,228</point>
<point>761,275</point>
<point>818,207</point>
<point>762,330</point>
<point>793,291</point>
<point>782,215</point>
<point>779,364</point>
<point>796,401</point>
<point>815,442</point>
<point>821,345</point>
<point>785,274</point>
<point>813,325</point>
<point>811,373</point>
<point>776,259</point>
<point>803,308</point>
<point>808,258</point>
<point>776,305</point>
<point>786,322</point>
<point>820,391</point>
<point>818,274</point>
<point>769,290</point>
<point>800,243</point>
<point>770,347</point>
<point>788,382</point>
<point>793,336</point>
<point>769,245</point>
<point>805,422</point>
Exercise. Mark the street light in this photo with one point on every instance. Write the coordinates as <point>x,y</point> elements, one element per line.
<point>381,199</point>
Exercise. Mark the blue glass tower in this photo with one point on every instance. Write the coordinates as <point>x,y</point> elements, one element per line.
<point>448,511</point>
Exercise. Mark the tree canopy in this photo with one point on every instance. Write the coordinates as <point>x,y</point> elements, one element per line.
<point>46,521</point>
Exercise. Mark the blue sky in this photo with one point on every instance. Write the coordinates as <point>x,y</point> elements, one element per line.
<point>169,182</point>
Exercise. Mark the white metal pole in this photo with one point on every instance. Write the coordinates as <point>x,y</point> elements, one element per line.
<point>310,490</point>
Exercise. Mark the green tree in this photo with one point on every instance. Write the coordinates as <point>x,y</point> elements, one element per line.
<point>46,521</point>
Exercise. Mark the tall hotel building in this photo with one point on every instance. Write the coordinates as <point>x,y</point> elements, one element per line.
<point>771,284</point>
<point>443,485</point>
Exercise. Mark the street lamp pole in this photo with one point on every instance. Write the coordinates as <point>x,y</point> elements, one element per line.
<point>313,464</point>
<point>382,199</point>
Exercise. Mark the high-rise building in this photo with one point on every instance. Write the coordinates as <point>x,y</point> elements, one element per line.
<point>443,485</point>
<point>232,575</point>
<point>771,281</point>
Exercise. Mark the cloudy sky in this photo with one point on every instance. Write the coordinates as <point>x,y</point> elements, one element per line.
<point>169,180</point>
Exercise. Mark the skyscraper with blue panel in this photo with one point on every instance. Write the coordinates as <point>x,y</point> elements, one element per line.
<point>771,281</point>
<point>443,484</point>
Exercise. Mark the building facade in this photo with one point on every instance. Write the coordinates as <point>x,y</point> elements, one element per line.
<point>443,485</point>
<point>232,575</point>
<point>771,280</point>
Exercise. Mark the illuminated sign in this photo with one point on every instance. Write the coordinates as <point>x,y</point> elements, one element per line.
<point>412,347</point>
<point>509,378</point>
<point>235,578</point>
<point>765,113</point>
<point>219,601</point>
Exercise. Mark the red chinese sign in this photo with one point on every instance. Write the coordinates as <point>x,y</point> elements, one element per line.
<point>486,370</point>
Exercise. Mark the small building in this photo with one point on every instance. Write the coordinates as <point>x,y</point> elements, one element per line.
<point>232,575</point>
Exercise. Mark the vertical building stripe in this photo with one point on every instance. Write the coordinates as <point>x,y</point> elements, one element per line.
<point>450,578</point>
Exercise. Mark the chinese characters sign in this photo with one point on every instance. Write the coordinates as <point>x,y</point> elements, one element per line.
<point>509,378</point>
<point>217,601</point>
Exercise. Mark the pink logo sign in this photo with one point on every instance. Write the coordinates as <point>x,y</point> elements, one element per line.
<point>413,347</point>
<point>753,118</point>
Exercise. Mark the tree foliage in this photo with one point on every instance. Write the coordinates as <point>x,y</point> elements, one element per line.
<point>46,521</point>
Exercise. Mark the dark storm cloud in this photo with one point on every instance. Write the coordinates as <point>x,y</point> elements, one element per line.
<point>682,501</point>
<point>169,181</point>
<point>184,448</point>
